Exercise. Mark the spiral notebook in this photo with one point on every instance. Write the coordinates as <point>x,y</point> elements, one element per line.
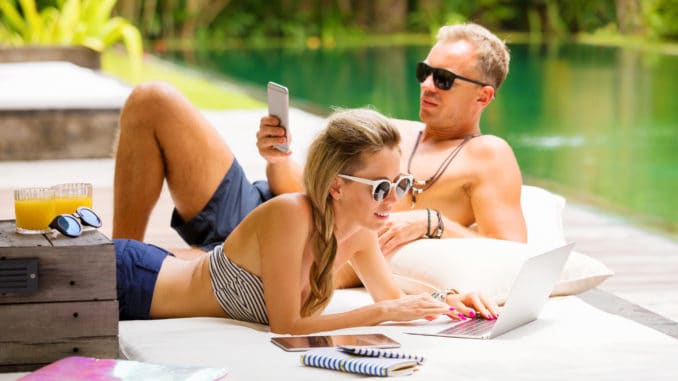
<point>361,360</point>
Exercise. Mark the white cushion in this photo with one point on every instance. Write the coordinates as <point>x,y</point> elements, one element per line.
<point>484,265</point>
<point>543,212</point>
<point>58,85</point>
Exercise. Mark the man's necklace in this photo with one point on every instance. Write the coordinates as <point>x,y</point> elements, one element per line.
<point>419,186</point>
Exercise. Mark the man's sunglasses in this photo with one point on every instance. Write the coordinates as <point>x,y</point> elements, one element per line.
<point>71,225</point>
<point>442,78</point>
<point>382,188</point>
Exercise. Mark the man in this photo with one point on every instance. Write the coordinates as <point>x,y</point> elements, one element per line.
<point>469,178</point>
<point>463,179</point>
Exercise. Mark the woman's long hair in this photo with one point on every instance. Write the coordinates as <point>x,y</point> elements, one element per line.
<point>339,148</point>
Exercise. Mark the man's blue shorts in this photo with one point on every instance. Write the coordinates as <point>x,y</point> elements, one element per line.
<point>137,267</point>
<point>234,199</point>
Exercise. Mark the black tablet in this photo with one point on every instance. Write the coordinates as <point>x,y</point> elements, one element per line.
<point>304,343</point>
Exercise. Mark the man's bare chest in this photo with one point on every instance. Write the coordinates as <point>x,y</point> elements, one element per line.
<point>446,190</point>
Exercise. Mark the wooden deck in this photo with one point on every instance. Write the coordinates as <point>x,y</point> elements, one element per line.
<point>645,263</point>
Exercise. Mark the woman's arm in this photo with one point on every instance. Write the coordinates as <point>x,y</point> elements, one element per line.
<point>407,308</point>
<point>372,269</point>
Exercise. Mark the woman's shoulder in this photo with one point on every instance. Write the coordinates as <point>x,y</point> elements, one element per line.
<point>288,206</point>
<point>290,200</point>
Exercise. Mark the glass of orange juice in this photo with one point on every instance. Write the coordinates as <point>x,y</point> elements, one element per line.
<point>34,209</point>
<point>69,197</point>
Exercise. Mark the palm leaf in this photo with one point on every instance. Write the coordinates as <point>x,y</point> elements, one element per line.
<point>9,36</point>
<point>118,28</point>
<point>93,43</point>
<point>111,31</point>
<point>12,16</point>
<point>50,30</point>
<point>96,12</point>
<point>68,22</point>
<point>132,40</point>
<point>33,21</point>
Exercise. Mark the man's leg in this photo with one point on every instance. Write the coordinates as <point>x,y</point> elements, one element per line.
<point>164,137</point>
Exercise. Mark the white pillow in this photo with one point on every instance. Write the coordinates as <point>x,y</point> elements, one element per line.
<point>485,265</point>
<point>543,212</point>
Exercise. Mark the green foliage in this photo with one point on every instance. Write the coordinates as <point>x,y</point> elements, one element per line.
<point>316,23</point>
<point>70,22</point>
<point>265,22</point>
<point>587,15</point>
<point>661,17</point>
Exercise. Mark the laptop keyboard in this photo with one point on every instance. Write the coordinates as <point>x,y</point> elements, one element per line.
<point>473,327</point>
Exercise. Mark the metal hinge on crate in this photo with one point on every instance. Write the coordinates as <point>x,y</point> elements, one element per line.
<point>18,276</point>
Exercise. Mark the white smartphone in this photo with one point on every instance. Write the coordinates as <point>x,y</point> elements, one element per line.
<point>304,343</point>
<point>279,105</point>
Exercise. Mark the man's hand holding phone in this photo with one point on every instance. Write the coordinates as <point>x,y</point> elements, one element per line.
<point>270,135</point>
<point>273,143</point>
<point>278,106</point>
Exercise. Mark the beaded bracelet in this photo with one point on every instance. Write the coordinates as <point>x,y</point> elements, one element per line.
<point>428,224</point>
<point>438,233</point>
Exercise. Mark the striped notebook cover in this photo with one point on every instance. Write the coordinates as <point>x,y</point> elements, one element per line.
<point>368,361</point>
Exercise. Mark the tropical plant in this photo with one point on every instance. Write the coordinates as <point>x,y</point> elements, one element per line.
<point>71,22</point>
<point>662,17</point>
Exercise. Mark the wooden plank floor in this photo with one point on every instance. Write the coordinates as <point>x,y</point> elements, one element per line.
<point>645,263</point>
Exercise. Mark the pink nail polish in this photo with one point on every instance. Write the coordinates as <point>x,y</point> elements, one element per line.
<point>451,308</point>
<point>472,314</point>
<point>461,316</point>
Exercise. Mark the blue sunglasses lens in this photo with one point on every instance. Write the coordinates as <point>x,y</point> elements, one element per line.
<point>88,217</point>
<point>66,225</point>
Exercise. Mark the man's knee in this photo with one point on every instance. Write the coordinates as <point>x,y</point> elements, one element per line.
<point>147,104</point>
<point>150,94</point>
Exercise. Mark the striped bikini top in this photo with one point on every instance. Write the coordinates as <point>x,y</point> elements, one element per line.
<point>239,292</point>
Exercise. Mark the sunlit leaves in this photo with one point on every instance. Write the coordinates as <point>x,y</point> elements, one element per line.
<point>71,22</point>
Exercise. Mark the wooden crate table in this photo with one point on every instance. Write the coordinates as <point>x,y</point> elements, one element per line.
<point>57,298</point>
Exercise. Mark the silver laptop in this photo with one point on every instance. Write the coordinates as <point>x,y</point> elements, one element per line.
<point>525,301</point>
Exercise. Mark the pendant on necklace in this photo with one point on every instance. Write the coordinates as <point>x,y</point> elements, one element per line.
<point>413,193</point>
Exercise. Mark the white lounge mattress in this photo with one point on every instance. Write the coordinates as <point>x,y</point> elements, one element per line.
<point>571,341</point>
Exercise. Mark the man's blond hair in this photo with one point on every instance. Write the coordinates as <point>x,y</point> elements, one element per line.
<point>493,55</point>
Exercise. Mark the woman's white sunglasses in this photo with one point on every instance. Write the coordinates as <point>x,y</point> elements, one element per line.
<point>382,188</point>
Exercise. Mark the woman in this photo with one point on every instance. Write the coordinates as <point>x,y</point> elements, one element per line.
<point>277,266</point>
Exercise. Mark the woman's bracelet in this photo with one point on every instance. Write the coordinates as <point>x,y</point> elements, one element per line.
<point>442,295</point>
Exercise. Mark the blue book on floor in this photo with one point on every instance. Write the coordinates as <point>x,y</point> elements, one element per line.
<point>368,361</point>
